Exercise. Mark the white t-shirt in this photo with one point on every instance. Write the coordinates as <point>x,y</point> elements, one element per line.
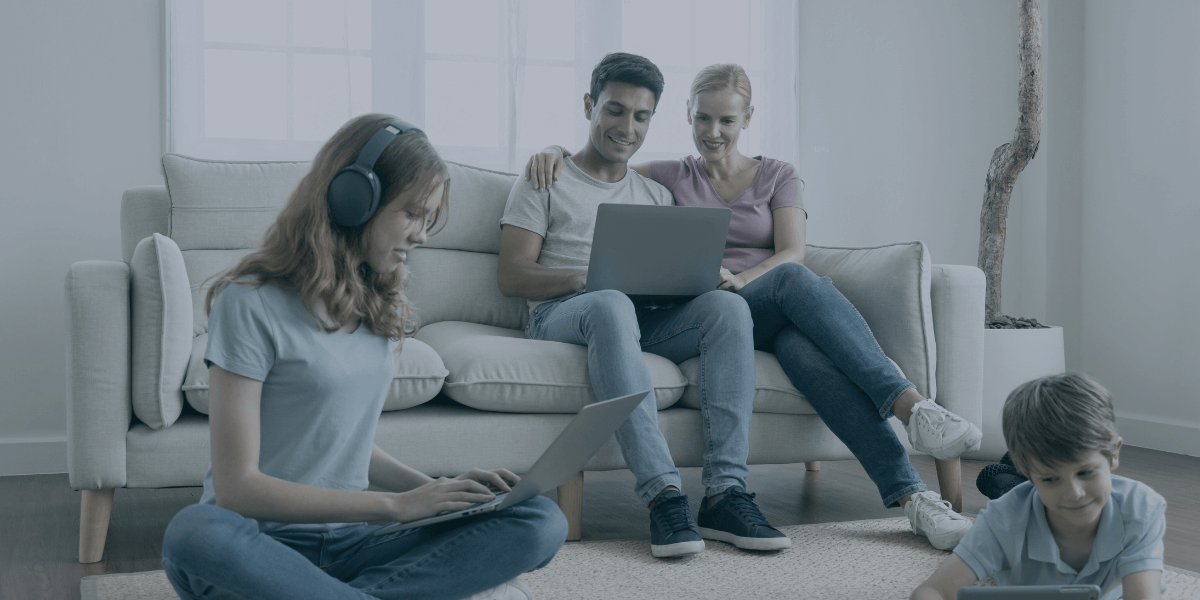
<point>322,392</point>
<point>565,215</point>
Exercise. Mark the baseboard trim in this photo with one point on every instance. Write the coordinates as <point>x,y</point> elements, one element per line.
<point>33,456</point>
<point>1159,434</point>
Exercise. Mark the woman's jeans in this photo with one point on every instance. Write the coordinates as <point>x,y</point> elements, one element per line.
<point>211,552</point>
<point>715,326</point>
<point>830,355</point>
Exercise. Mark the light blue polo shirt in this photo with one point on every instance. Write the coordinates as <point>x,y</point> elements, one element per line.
<point>322,392</point>
<point>1011,540</point>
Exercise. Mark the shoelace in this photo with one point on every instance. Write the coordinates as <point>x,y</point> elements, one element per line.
<point>743,505</point>
<point>672,514</point>
<point>940,508</point>
<point>932,417</point>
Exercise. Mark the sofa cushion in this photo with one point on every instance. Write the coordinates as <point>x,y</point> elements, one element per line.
<point>890,286</point>
<point>419,376</point>
<point>477,199</point>
<point>773,391</point>
<point>225,205</point>
<point>162,330</point>
<point>498,369</point>
<point>456,285</point>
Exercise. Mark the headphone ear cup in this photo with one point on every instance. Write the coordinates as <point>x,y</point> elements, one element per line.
<point>353,196</point>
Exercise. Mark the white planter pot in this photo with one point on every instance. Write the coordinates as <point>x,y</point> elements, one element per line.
<point>1012,357</point>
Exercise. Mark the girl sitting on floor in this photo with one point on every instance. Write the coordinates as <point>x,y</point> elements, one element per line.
<point>300,353</point>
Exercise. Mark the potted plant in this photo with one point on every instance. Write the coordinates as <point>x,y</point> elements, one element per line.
<point>1016,350</point>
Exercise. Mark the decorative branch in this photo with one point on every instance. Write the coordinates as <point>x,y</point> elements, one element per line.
<point>1009,159</point>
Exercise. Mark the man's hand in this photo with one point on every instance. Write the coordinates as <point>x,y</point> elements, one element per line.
<point>544,168</point>
<point>497,480</point>
<point>728,281</point>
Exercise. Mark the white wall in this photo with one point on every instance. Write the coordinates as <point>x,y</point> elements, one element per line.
<point>902,106</point>
<point>1141,213</point>
<point>80,121</point>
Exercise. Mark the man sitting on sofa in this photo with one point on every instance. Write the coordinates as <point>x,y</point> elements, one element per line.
<point>544,249</point>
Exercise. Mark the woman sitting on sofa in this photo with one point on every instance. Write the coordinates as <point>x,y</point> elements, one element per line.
<point>822,343</point>
<point>300,352</point>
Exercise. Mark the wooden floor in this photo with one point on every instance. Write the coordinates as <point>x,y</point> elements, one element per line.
<point>39,514</point>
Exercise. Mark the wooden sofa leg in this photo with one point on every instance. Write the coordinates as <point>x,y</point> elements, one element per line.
<point>949,474</point>
<point>812,465</point>
<point>570,500</point>
<point>94,512</point>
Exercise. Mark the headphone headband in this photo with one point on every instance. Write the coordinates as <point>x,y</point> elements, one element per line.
<point>353,194</point>
<point>382,138</point>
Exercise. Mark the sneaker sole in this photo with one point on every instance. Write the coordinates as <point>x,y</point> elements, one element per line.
<point>946,541</point>
<point>677,549</point>
<point>969,443</point>
<point>746,543</point>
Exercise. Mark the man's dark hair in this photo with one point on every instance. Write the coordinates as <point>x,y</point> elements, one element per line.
<point>627,68</point>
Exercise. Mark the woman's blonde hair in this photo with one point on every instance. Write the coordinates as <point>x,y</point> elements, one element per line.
<point>727,76</point>
<point>305,251</point>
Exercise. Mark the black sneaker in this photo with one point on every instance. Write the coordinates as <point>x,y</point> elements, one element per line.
<point>997,478</point>
<point>672,530</point>
<point>737,520</point>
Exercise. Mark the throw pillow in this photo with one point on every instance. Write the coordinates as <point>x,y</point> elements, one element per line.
<point>162,329</point>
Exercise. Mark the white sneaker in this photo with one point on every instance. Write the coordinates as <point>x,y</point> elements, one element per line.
<point>514,589</point>
<point>941,433</point>
<point>933,518</point>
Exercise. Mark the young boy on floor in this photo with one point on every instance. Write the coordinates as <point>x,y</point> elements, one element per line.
<point>1073,522</point>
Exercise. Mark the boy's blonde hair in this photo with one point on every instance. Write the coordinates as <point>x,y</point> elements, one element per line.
<point>1057,419</point>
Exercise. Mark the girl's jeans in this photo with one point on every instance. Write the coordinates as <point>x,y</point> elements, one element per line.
<point>211,552</point>
<point>715,326</point>
<point>830,355</point>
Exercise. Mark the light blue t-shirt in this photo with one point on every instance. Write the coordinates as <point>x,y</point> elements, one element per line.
<point>322,392</point>
<point>1011,540</point>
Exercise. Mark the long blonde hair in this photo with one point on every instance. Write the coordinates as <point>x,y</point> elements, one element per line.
<point>305,251</point>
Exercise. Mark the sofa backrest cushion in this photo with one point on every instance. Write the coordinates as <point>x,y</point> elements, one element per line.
<point>220,209</point>
<point>161,304</point>
<point>477,198</point>
<point>890,286</point>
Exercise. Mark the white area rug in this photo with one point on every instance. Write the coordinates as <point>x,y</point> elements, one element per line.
<point>874,559</point>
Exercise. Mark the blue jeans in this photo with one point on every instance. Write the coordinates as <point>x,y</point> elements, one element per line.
<point>830,355</point>
<point>211,552</point>
<point>715,326</point>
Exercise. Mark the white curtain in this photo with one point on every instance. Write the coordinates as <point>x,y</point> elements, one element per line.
<point>490,81</point>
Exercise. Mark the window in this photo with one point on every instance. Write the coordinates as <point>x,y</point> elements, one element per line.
<point>490,81</point>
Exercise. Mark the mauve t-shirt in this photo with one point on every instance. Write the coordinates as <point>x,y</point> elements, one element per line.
<point>751,228</point>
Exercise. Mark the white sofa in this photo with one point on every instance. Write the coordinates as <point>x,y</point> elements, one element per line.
<point>470,389</point>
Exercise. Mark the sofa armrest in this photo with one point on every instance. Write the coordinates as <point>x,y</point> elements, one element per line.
<point>957,298</point>
<point>98,375</point>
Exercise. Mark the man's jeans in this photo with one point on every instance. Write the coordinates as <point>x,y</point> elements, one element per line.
<point>715,326</point>
<point>211,552</point>
<point>829,353</point>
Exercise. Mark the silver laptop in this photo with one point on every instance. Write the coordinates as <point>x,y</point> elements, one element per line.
<point>1030,592</point>
<point>657,254</point>
<point>565,457</point>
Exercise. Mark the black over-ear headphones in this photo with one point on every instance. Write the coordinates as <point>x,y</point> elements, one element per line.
<point>353,194</point>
